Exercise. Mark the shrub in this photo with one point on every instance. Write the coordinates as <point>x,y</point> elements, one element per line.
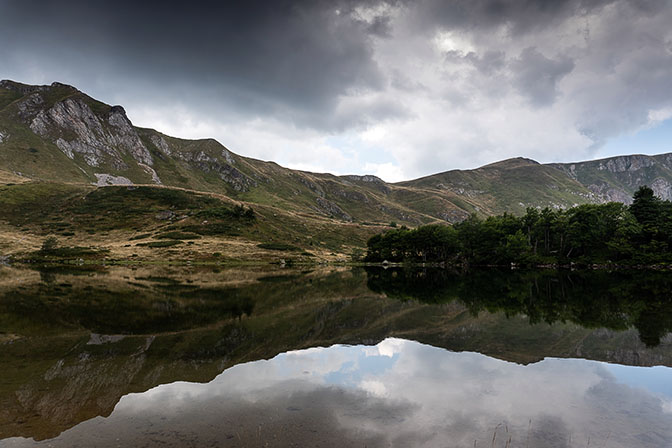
<point>49,244</point>
<point>178,236</point>
<point>167,243</point>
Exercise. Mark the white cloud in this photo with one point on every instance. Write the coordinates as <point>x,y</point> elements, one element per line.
<point>449,399</point>
<point>657,116</point>
<point>389,172</point>
<point>374,387</point>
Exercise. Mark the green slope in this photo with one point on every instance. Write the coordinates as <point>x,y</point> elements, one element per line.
<point>508,186</point>
<point>59,134</point>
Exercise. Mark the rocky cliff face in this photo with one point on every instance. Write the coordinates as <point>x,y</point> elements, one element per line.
<point>617,178</point>
<point>75,129</point>
<point>102,141</point>
<point>213,164</point>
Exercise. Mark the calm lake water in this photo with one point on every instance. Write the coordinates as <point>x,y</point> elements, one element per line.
<point>177,356</point>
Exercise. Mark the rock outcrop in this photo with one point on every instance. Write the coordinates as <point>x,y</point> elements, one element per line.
<point>24,89</point>
<point>332,209</point>
<point>161,143</point>
<point>77,130</point>
<point>617,178</point>
<point>209,164</point>
<point>105,180</point>
<point>371,180</point>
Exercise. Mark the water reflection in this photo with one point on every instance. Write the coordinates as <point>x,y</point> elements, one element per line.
<point>75,343</point>
<point>593,299</point>
<point>397,393</point>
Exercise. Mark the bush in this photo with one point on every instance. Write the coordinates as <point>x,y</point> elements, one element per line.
<point>49,244</point>
<point>178,236</point>
<point>140,237</point>
<point>167,243</point>
<point>237,212</point>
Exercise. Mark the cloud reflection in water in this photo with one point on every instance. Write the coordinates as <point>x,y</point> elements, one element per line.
<point>397,393</point>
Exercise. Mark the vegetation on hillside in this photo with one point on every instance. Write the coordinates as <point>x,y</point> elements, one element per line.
<point>145,223</point>
<point>589,233</point>
<point>207,166</point>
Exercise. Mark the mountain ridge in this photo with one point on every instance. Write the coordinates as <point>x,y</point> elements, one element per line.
<point>58,133</point>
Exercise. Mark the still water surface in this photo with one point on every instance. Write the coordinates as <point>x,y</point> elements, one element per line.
<point>203,357</point>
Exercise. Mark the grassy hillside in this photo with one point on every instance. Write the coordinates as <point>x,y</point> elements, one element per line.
<point>508,186</point>
<point>159,223</point>
<point>35,148</point>
<point>56,137</point>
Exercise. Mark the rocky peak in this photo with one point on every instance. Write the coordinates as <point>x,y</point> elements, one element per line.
<point>76,129</point>
<point>365,178</point>
<point>117,110</point>
<point>628,163</point>
<point>56,84</point>
<point>513,163</point>
<point>375,181</point>
<point>24,89</point>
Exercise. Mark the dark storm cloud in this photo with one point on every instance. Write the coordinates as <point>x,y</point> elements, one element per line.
<point>291,60</point>
<point>287,57</point>
<point>536,75</point>
<point>521,15</point>
<point>490,62</point>
<point>457,81</point>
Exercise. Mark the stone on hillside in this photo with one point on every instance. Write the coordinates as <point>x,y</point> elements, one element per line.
<point>160,143</point>
<point>164,215</point>
<point>332,209</point>
<point>105,180</point>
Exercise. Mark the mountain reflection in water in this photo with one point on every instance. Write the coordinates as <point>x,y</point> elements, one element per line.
<point>74,345</point>
<point>396,393</point>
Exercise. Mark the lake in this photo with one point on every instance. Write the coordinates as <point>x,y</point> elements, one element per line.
<point>371,357</point>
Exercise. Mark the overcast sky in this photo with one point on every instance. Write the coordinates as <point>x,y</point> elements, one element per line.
<point>399,89</point>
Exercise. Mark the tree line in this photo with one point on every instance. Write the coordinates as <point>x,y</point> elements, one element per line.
<point>591,233</point>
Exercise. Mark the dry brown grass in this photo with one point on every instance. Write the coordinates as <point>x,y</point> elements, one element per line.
<point>7,177</point>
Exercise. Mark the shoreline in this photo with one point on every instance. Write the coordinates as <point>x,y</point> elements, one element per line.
<point>288,262</point>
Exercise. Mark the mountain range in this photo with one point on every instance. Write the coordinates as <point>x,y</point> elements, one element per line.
<point>57,135</point>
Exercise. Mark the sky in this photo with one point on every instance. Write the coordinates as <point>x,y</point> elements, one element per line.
<point>399,89</point>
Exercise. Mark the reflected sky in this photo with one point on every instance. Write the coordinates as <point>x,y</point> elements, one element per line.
<point>397,393</point>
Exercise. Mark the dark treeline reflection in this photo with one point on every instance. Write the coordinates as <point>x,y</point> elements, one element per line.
<point>593,299</point>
